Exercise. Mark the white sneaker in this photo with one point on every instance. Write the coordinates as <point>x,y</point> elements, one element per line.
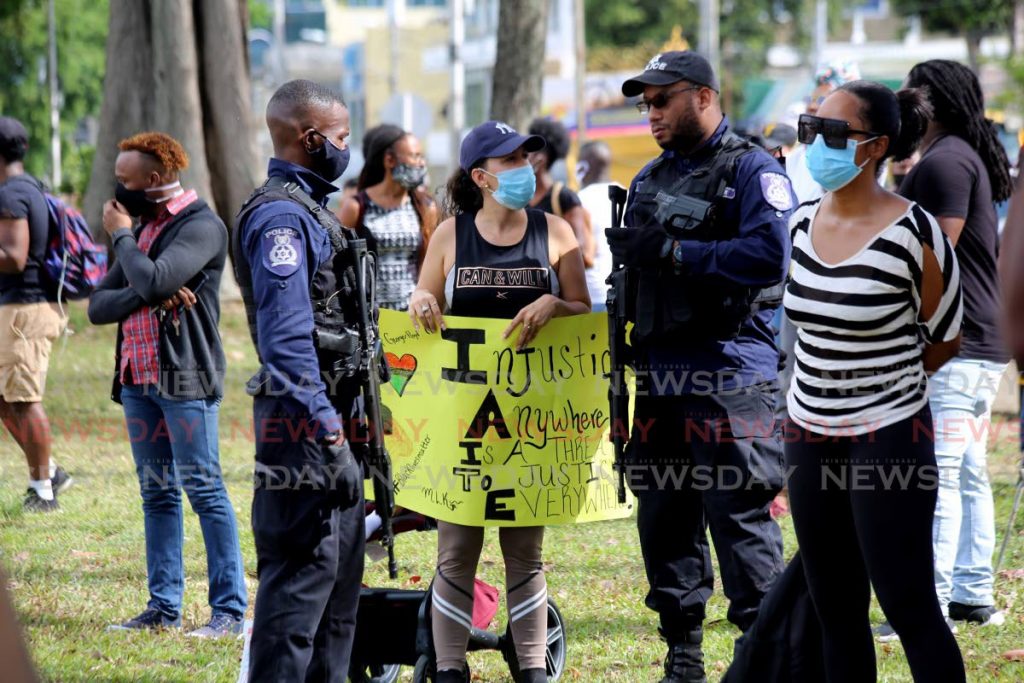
<point>887,634</point>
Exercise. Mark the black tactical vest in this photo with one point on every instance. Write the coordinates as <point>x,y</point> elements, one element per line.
<point>330,289</point>
<point>668,304</point>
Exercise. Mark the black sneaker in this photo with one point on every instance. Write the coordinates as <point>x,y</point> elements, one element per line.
<point>453,676</point>
<point>685,660</point>
<point>220,626</point>
<point>34,503</point>
<point>533,676</point>
<point>150,618</point>
<point>985,615</point>
<point>61,480</point>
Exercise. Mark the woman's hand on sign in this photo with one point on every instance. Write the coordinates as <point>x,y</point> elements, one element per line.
<point>423,307</point>
<point>532,318</point>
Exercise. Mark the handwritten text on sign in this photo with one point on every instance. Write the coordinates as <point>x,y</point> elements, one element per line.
<point>482,434</point>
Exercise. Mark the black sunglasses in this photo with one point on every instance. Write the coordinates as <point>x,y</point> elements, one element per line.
<point>661,99</point>
<point>835,131</point>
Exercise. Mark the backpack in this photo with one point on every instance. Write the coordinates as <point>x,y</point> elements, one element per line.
<point>73,262</point>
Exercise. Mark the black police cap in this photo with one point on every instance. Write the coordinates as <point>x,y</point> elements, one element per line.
<point>671,67</point>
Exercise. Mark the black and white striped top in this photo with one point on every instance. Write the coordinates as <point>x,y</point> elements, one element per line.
<point>858,361</point>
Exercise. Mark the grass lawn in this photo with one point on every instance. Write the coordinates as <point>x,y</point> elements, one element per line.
<point>73,573</point>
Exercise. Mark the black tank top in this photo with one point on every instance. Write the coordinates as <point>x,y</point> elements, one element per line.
<point>491,281</point>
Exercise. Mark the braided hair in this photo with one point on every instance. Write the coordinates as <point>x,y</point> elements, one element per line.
<point>959,105</point>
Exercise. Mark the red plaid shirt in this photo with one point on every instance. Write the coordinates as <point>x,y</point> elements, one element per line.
<point>140,331</point>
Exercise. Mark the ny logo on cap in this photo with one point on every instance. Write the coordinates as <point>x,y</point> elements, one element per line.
<point>505,128</point>
<point>656,64</point>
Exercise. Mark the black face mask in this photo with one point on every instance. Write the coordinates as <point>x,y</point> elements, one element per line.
<point>136,202</point>
<point>329,161</point>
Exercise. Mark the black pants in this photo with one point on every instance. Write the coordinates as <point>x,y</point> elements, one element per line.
<point>700,462</point>
<point>309,554</point>
<point>863,508</point>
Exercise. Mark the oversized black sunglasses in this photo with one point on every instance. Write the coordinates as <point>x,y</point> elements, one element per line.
<point>835,131</point>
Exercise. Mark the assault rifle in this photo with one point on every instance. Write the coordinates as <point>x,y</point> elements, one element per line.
<point>618,392</point>
<point>361,355</point>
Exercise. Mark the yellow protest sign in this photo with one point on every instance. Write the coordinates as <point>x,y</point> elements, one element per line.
<point>482,434</point>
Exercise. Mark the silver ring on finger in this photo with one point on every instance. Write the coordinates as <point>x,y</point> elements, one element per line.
<point>425,309</point>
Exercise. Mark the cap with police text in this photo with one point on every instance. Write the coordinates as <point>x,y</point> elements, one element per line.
<point>671,67</point>
<point>494,139</point>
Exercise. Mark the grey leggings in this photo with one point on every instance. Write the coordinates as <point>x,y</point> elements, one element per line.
<point>458,552</point>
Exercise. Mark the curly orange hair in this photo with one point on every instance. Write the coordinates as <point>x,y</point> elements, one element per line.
<point>161,146</point>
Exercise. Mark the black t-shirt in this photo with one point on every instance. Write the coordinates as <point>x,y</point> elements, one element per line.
<point>21,197</point>
<point>567,200</point>
<point>492,281</point>
<point>951,181</point>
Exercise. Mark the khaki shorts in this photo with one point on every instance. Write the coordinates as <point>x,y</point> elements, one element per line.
<point>27,332</point>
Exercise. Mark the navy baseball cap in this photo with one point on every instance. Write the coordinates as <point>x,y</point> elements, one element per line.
<point>494,139</point>
<point>672,67</point>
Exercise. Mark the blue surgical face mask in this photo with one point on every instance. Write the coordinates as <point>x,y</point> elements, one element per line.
<point>515,187</point>
<point>834,169</point>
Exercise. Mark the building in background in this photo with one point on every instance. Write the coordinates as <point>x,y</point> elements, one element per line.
<point>391,60</point>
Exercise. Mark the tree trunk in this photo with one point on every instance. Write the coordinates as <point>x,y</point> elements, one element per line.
<point>175,87</point>
<point>519,64</point>
<point>1017,30</point>
<point>227,105</point>
<point>973,39</point>
<point>124,111</point>
<point>180,68</point>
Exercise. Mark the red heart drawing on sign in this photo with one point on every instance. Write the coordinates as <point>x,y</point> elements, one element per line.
<point>402,370</point>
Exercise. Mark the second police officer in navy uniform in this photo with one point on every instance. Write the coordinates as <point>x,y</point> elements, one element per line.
<point>308,523</point>
<point>707,247</point>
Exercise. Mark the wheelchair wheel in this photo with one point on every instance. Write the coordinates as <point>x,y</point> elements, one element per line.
<point>422,673</point>
<point>554,657</point>
<point>376,673</point>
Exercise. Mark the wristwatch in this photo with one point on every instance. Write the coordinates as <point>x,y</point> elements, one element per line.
<point>677,254</point>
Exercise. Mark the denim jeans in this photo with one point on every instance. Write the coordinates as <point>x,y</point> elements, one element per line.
<point>174,444</point>
<point>963,533</point>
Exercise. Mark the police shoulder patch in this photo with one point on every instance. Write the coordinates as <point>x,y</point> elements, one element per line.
<point>776,190</point>
<point>282,250</point>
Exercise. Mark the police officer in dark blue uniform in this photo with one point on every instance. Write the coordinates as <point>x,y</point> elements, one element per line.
<point>706,248</point>
<point>306,514</point>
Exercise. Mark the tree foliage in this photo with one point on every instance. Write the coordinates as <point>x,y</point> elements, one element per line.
<point>624,34</point>
<point>972,19</point>
<point>748,27</point>
<point>625,23</point>
<point>24,91</point>
<point>958,16</point>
